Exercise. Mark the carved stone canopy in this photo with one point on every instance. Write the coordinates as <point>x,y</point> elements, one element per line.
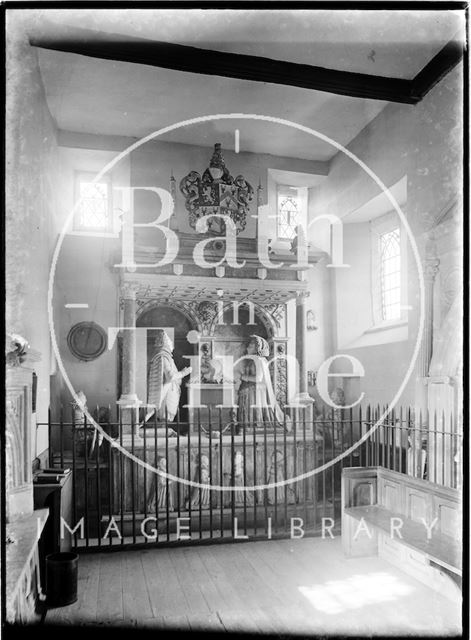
<point>217,193</point>
<point>207,288</point>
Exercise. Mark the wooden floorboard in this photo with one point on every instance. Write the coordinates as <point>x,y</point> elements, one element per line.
<point>191,589</point>
<point>198,573</point>
<point>277,587</point>
<point>163,586</point>
<point>136,600</point>
<point>220,579</point>
<point>110,587</point>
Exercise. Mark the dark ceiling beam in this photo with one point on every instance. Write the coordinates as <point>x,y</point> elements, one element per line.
<point>439,66</point>
<point>245,67</point>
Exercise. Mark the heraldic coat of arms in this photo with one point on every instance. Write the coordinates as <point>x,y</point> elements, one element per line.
<point>217,193</point>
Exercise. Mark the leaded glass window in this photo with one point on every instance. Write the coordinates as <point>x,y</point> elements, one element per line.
<point>94,210</point>
<point>390,261</point>
<point>288,215</point>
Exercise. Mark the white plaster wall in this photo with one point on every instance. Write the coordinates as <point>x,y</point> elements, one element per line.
<point>83,275</point>
<point>30,220</point>
<point>424,143</point>
<point>354,309</point>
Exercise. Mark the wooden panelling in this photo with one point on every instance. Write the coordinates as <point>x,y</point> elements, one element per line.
<point>390,494</point>
<point>390,549</point>
<point>417,504</point>
<point>359,487</point>
<point>449,517</point>
<point>411,504</point>
<point>364,493</point>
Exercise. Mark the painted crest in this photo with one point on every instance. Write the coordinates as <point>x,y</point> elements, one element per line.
<point>217,193</point>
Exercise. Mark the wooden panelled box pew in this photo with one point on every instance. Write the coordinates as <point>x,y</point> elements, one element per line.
<point>387,513</point>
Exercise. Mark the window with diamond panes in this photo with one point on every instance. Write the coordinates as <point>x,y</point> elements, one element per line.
<point>94,210</point>
<point>390,255</point>
<point>288,216</point>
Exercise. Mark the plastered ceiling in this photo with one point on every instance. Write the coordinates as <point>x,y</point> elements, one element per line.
<point>118,98</point>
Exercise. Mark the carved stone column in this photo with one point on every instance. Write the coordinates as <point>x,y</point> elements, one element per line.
<point>425,353</point>
<point>128,402</point>
<point>302,397</point>
<point>301,354</point>
<point>430,273</point>
<point>423,364</point>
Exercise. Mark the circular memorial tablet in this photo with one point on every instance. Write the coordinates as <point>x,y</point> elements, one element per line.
<point>87,340</point>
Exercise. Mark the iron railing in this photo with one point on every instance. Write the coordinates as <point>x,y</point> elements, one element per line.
<point>277,483</point>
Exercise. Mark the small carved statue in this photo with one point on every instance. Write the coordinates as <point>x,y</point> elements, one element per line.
<point>164,489</point>
<point>338,398</point>
<point>237,480</point>
<point>79,406</point>
<point>276,474</point>
<point>211,368</point>
<point>232,424</point>
<point>239,495</point>
<point>200,497</point>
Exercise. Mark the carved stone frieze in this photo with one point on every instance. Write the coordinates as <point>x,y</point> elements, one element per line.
<point>301,296</point>
<point>129,289</point>
<point>206,312</point>
<point>277,312</point>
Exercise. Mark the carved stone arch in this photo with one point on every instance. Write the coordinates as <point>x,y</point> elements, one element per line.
<point>265,318</point>
<point>268,321</point>
<point>185,308</point>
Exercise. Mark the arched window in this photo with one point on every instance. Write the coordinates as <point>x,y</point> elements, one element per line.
<point>289,213</point>
<point>388,270</point>
<point>390,261</point>
<point>94,213</point>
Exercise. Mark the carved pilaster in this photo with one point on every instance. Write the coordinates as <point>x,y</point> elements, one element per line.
<point>129,401</point>
<point>129,289</point>
<point>280,374</point>
<point>173,192</point>
<point>301,354</point>
<point>430,274</point>
<point>425,354</point>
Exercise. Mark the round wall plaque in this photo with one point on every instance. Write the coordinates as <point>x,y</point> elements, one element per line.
<point>87,340</point>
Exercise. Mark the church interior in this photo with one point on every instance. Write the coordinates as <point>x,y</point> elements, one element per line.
<point>234,306</point>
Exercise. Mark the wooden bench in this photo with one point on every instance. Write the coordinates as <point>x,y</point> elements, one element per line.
<point>387,513</point>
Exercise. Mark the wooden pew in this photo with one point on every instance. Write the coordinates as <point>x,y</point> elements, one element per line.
<point>387,513</point>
